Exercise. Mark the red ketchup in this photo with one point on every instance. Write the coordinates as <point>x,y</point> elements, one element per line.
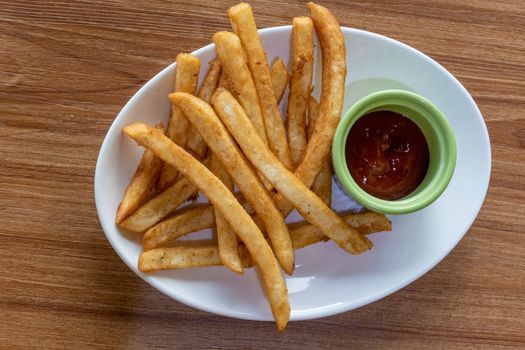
<point>387,154</point>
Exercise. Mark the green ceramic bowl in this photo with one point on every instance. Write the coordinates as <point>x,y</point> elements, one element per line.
<point>440,140</point>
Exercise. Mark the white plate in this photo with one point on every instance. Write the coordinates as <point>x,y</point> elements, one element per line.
<point>327,280</point>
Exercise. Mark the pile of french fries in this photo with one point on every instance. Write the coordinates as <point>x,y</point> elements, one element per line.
<point>228,135</point>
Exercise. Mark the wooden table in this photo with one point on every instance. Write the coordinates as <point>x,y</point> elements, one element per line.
<point>68,67</point>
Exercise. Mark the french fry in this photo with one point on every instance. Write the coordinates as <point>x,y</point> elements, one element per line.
<point>233,212</point>
<point>211,80</point>
<point>186,79</point>
<point>322,185</point>
<point>243,24</point>
<point>178,258</point>
<point>142,184</point>
<point>188,221</point>
<point>311,207</point>
<point>300,85</point>
<point>233,60</point>
<point>331,102</point>
<point>186,257</point>
<point>230,52</point>
<point>196,144</point>
<point>202,116</point>
<point>365,223</point>
<point>162,205</point>
<point>280,77</point>
<point>223,82</point>
<point>159,206</point>
<point>226,237</point>
<point>368,222</point>
<point>313,113</point>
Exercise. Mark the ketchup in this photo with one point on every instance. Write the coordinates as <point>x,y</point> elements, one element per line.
<point>387,154</point>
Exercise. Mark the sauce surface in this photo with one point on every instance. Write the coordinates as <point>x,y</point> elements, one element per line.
<point>387,154</point>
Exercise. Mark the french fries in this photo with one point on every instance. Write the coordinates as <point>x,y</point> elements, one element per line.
<point>159,206</point>
<point>210,81</point>
<point>311,207</point>
<point>300,85</point>
<point>243,24</point>
<point>167,201</point>
<point>322,185</point>
<point>229,49</point>
<point>229,207</point>
<point>331,102</point>
<point>223,82</point>
<point>188,221</point>
<point>178,258</point>
<point>302,233</point>
<point>202,116</point>
<point>196,144</point>
<point>226,237</point>
<point>142,184</point>
<point>280,77</point>
<point>365,223</point>
<point>231,134</point>
<point>186,79</point>
<point>186,257</point>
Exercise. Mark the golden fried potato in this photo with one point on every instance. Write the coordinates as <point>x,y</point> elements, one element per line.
<point>331,102</point>
<point>280,77</point>
<point>202,116</point>
<point>311,207</point>
<point>178,258</point>
<point>226,238</point>
<point>322,185</point>
<point>300,85</point>
<point>159,206</point>
<point>186,79</point>
<point>188,221</point>
<point>243,24</point>
<point>233,212</point>
<point>365,223</point>
<point>229,49</point>
<point>211,80</point>
<point>196,144</point>
<point>142,184</point>
<point>303,234</point>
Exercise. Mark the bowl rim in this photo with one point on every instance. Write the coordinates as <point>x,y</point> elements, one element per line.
<point>436,181</point>
<point>327,310</point>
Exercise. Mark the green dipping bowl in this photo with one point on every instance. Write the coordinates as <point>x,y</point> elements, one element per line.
<point>439,136</point>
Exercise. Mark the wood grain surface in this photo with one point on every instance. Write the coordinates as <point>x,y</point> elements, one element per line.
<point>68,67</point>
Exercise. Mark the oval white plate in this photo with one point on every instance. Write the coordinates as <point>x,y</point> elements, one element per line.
<point>327,280</point>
